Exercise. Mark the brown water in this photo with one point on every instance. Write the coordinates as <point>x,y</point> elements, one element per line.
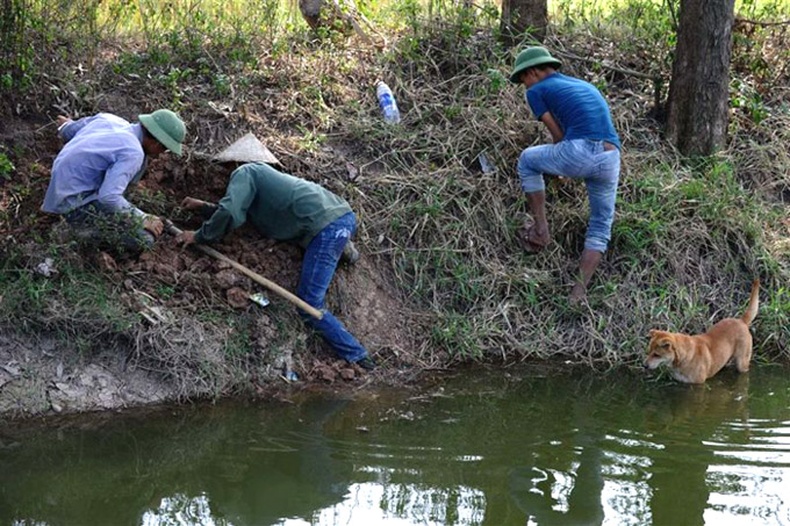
<point>484,447</point>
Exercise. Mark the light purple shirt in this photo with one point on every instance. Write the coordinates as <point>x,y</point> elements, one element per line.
<point>102,155</point>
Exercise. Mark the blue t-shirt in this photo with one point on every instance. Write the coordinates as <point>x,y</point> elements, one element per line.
<point>576,105</point>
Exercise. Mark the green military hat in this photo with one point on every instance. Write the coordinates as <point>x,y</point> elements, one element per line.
<point>531,57</point>
<point>166,127</point>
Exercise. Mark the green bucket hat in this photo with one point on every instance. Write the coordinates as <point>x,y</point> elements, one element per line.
<point>166,127</point>
<point>531,57</point>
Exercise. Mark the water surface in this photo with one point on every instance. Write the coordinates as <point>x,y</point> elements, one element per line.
<point>495,447</point>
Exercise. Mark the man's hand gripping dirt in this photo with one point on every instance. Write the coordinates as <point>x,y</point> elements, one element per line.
<point>187,237</point>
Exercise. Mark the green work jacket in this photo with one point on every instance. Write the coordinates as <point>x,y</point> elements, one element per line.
<point>280,206</point>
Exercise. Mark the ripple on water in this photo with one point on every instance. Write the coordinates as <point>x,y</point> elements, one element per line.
<point>758,442</point>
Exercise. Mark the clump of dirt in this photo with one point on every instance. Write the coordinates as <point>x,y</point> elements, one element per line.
<point>361,294</point>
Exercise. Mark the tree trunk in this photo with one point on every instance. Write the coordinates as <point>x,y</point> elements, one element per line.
<point>12,40</point>
<point>697,113</point>
<point>520,16</point>
<point>338,15</point>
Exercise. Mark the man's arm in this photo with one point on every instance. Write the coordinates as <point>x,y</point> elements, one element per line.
<point>68,128</point>
<point>554,128</point>
<point>116,180</point>
<point>204,208</point>
<point>231,212</point>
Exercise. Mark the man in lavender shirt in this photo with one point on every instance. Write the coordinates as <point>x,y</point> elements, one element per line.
<point>104,154</point>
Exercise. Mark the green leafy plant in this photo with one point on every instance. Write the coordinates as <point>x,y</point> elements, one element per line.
<point>6,167</point>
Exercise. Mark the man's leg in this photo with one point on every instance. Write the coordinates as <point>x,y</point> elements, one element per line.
<point>567,158</point>
<point>587,265</point>
<point>318,269</point>
<point>531,164</point>
<point>537,207</point>
<point>602,194</point>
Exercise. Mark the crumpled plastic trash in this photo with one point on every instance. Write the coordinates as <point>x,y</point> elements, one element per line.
<point>259,298</point>
<point>46,268</point>
<point>485,165</point>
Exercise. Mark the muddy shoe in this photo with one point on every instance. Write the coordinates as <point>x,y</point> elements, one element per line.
<point>350,253</point>
<point>366,363</point>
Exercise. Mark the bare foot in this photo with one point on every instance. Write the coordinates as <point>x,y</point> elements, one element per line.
<point>538,233</point>
<point>578,295</point>
<point>532,238</point>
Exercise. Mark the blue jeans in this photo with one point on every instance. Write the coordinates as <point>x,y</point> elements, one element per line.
<point>318,268</point>
<point>579,159</point>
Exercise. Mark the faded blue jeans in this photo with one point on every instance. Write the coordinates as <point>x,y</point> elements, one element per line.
<point>320,261</point>
<point>579,159</point>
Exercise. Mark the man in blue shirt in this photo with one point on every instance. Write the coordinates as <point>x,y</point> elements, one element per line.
<point>586,146</point>
<point>102,155</point>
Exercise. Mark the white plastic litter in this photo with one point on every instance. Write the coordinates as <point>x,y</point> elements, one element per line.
<point>46,268</point>
<point>387,103</point>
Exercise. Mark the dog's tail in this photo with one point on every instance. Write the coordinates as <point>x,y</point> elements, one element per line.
<point>754,302</point>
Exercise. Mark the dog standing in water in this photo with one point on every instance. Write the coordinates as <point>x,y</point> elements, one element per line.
<point>694,359</point>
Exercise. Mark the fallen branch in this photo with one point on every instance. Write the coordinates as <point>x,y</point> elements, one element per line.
<point>760,23</point>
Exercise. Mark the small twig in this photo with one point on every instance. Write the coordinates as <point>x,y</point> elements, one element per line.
<point>657,81</point>
<point>624,71</point>
<point>761,23</point>
<point>42,128</point>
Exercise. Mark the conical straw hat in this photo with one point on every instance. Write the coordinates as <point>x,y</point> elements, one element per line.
<point>248,149</point>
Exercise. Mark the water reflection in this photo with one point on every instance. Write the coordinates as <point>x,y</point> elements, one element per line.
<point>681,422</point>
<point>181,509</point>
<point>535,449</point>
<point>565,486</point>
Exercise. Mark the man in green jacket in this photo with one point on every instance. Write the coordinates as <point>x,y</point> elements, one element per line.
<point>287,208</point>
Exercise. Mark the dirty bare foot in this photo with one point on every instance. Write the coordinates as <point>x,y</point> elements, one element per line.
<point>538,233</point>
<point>578,295</point>
<point>532,237</point>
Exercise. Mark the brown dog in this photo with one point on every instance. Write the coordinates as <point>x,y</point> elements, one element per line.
<point>694,359</point>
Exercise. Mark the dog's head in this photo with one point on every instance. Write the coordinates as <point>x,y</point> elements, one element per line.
<point>661,350</point>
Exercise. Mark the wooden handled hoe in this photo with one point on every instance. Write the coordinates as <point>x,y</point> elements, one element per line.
<point>274,287</point>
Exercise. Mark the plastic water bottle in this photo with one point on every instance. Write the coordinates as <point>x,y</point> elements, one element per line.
<point>387,102</point>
